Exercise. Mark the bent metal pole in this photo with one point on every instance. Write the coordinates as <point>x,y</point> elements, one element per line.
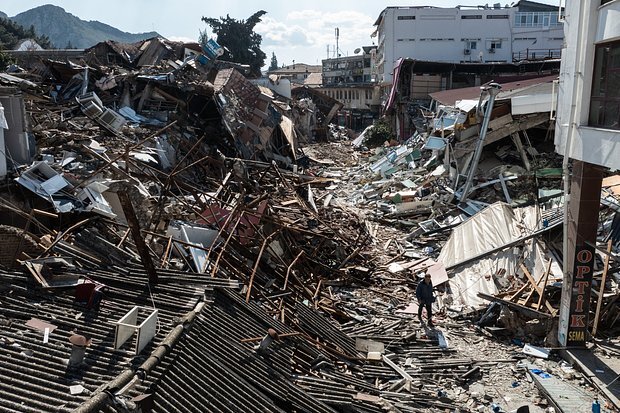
<point>493,89</point>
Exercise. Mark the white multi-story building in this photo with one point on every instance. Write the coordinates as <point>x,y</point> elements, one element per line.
<point>525,31</point>
<point>588,114</point>
<point>588,132</point>
<point>352,80</point>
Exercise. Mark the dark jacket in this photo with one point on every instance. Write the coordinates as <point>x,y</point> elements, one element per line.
<point>424,292</point>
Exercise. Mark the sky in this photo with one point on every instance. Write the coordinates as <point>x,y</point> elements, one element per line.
<point>296,31</point>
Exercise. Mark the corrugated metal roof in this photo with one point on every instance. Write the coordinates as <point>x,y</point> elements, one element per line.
<point>208,369</point>
<point>213,370</point>
<point>35,376</point>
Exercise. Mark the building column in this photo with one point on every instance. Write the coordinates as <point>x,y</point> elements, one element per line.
<point>583,210</point>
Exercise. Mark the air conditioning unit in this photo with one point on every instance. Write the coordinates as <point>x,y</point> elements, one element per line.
<point>492,50</point>
<point>466,51</point>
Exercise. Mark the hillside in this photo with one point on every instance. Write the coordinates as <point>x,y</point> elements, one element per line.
<point>64,29</point>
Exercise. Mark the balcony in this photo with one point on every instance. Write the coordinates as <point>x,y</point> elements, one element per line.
<point>537,54</point>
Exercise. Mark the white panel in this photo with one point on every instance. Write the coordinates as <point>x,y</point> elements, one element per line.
<point>523,105</point>
<point>123,332</point>
<point>54,184</point>
<point>125,327</point>
<point>597,146</point>
<point>3,123</point>
<point>3,169</point>
<point>608,22</point>
<point>131,317</point>
<point>147,331</point>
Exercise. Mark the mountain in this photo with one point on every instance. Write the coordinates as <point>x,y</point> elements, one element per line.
<point>64,29</point>
<point>3,15</point>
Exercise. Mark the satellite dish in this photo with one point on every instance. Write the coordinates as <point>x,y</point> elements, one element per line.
<point>356,51</point>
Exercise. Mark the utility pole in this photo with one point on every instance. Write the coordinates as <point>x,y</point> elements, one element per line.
<point>337,48</point>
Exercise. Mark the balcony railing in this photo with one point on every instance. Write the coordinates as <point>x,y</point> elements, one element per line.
<point>537,54</point>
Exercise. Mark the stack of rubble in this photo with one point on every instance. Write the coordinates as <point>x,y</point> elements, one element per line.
<point>164,231</point>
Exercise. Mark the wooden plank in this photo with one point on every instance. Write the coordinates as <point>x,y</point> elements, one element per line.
<point>529,296</point>
<point>541,297</point>
<point>524,123</point>
<point>256,263</point>
<point>533,282</point>
<point>396,368</point>
<point>34,269</point>
<point>601,292</point>
<point>517,141</point>
<point>134,226</point>
<point>519,292</point>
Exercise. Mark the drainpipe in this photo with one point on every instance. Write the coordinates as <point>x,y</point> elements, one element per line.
<point>493,90</point>
<point>572,127</point>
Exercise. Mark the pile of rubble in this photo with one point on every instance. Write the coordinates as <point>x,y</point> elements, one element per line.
<point>167,241</point>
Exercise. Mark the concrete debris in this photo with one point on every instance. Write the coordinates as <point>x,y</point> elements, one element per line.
<point>178,200</point>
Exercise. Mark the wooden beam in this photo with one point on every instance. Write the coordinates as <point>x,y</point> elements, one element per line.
<point>134,227</point>
<point>533,282</point>
<point>519,292</point>
<point>601,291</point>
<point>521,124</point>
<point>519,144</point>
<point>256,263</point>
<point>541,297</point>
<point>530,312</point>
<point>529,295</point>
<point>396,368</point>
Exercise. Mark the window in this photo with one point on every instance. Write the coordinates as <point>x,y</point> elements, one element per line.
<point>497,16</point>
<point>494,44</point>
<point>471,44</point>
<point>471,16</point>
<point>536,19</point>
<point>605,101</point>
<point>406,17</point>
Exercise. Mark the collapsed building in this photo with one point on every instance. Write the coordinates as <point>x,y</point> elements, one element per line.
<point>168,244</point>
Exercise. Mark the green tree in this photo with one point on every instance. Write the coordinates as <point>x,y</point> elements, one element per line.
<point>274,62</point>
<point>241,43</point>
<point>379,133</point>
<point>11,33</point>
<point>5,60</point>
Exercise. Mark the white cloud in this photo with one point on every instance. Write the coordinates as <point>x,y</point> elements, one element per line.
<point>304,35</point>
<point>354,27</point>
<point>278,34</point>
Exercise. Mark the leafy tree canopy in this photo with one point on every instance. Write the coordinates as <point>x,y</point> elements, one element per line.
<point>11,33</point>
<point>274,62</point>
<point>240,42</point>
<point>5,61</point>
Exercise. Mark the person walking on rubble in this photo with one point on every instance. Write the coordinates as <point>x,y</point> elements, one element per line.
<point>425,296</point>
